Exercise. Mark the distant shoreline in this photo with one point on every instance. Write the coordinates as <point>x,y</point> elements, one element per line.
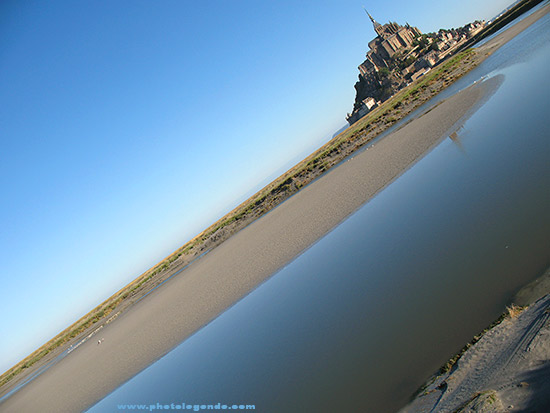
<point>338,149</point>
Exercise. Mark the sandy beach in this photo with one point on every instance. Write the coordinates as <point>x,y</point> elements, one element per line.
<point>190,300</point>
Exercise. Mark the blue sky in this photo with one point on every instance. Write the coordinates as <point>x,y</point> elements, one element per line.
<point>127,127</point>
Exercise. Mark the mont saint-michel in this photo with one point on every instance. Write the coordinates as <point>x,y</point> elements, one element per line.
<point>352,281</point>
<point>399,55</point>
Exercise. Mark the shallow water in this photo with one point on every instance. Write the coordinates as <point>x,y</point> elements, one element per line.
<point>363,317</point>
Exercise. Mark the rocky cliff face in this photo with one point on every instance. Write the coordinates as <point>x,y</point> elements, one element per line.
<point>380,86</point>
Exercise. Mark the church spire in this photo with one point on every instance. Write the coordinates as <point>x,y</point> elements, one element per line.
<point>374,22</point>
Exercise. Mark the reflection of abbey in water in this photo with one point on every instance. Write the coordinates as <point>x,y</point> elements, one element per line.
<point>399,55</point>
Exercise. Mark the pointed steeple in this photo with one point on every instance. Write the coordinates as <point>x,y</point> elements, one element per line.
<point>374,22</point>
<point>371,18</point>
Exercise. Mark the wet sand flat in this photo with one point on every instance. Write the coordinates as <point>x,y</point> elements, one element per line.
<point>209,286</point>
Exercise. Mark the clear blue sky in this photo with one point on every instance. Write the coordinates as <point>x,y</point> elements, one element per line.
<point>127,127</point>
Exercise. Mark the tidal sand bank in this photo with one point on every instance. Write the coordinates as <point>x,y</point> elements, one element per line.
<point>180,307</point>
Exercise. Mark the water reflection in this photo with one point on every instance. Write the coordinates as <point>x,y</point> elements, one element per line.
<point>456,140</point>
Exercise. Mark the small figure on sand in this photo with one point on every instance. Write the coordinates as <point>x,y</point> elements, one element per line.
<point>100,341</point>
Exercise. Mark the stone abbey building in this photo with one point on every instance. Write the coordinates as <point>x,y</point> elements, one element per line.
<point>391,38</point>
